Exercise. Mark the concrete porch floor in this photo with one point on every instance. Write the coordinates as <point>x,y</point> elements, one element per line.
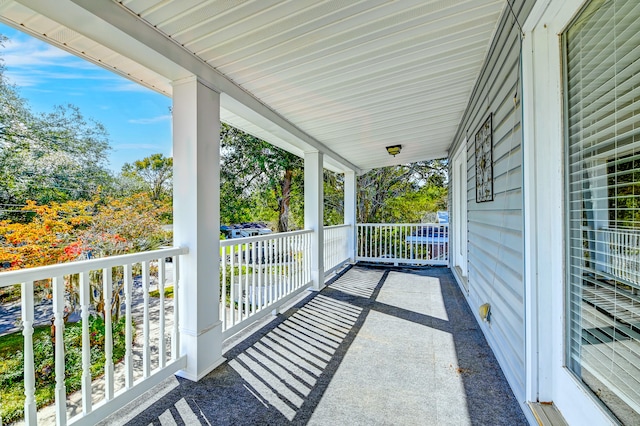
<point>377,346</point>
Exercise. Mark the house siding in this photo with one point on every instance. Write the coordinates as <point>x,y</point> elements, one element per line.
<point>495,229</point>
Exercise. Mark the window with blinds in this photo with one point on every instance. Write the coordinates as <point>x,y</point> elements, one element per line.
<point>602,106</point>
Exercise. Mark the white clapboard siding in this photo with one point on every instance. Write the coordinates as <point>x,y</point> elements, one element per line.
<point>495,229</point>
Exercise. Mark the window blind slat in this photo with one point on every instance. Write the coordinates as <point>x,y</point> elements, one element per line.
<point>602,54</point>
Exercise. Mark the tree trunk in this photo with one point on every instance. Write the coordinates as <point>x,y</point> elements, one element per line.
<point>283,214</point>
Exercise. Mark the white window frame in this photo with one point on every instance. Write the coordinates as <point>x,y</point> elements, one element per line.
<point>459,211</point>
<point>547,378</point>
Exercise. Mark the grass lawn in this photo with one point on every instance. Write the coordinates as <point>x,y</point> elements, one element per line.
<point>12,363</point>
<point>168,292</point>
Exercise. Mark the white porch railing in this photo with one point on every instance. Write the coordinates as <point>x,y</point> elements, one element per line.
<point>336,246</point>
<point>418,244</point>
<point>258,274</point>
<point>84,277</point>
<point>622,254</point>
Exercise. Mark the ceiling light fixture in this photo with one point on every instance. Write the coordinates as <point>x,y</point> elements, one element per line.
<point>394,150</point>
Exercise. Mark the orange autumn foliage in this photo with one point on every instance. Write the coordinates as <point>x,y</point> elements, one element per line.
<point>76,229</point>
<point>43,240</point>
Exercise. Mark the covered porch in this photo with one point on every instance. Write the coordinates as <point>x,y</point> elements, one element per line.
<point>480,82</point>
<point>337,123</point>
<point>378,345</point>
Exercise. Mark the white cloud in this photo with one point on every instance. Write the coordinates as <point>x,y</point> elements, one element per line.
<point>19,53</point>
<point>43,76</point>
<point>151,120</point>
<point>21,79</point>
<point>30,62</point>
<point>122,85</point>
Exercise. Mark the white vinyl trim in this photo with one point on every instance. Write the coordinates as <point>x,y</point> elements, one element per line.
<point>459,204</point>
<point>547,378</point>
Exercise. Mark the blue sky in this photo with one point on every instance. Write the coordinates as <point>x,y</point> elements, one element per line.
<point>137,119</point>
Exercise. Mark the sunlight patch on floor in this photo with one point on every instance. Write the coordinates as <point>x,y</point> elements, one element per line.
<point>284,365</point>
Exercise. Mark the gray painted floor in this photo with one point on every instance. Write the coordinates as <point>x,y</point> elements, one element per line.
<point>377,346</point>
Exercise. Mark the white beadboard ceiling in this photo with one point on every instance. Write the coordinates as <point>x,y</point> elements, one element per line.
<point>346,77</point>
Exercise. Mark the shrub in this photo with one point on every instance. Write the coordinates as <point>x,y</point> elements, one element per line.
<point>12,363</point>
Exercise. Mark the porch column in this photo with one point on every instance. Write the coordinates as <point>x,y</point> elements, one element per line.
<point>196,223</point>
<point>314,214</point>
<point>350,218</point>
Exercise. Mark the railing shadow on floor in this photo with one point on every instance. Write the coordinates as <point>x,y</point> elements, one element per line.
<point>279,374</point>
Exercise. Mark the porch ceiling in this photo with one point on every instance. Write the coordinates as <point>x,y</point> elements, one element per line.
<point>346,77</point>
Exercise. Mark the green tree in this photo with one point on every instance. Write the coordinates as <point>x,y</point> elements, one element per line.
<point>55,156</point>
<point>333,198</point>
<point>152,174</point>
<point>401,193</point>
<point>251,167</point>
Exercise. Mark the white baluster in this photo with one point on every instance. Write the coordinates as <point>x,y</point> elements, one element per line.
<point>334,253</point>
<point>241,291</point>
<point>254,254</point>
<point>280,268</point>
<point>401,239</point>
<point>372,241</point>
<point>273,271</point>
<point>85,300</point>
<point>175,338</point>
<point>128,335</point>
<point>29,370</point>
<point>162,350</point>
<point>232,304</point>
<point>295,283</point>
<point>397,234</point>
<point>223,289</point>
<point>388,239</point>
<point>269,270</point>
<point>245,293</point>
<point>299,260</point>
<point>260,254</point>
<point>285,266</point>
<point>309,257</point>
<point>327,248</point>
<point>293,262</point>
<point>58,314</point>
<point>333,250</point>
<point>289,263</point>
<point>335,247</point>
<point>447,242</point>
<point>412,242</point>
<point>367,249</point>
<point>393,234</point>
<point>385,239</point>
<point>107,292</point>
<point>146,347</point>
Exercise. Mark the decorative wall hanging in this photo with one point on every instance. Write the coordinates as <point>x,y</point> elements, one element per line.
<point>484,162</point>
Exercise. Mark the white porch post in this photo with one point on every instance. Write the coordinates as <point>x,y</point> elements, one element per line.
<point>314,214</point>
<point>196,222</point>
<point>350,218</point>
